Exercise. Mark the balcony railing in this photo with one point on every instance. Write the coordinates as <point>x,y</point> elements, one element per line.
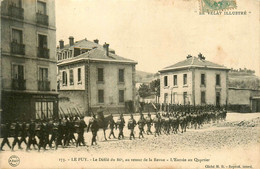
<point>42,19</point>
<point>44,85</point>
<point>18,84</point>
<point>43,53</point>
<point>16,12</point>
<point>17,48</point>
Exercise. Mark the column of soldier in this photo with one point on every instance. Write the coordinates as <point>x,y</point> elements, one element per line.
<point>61,132</point>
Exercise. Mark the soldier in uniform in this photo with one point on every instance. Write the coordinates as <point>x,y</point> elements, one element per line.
<point>156,124</point>
<point>112,125</point>
<point>23,135</point>
<point>141,123</point>
<point>149,124</point>
<point>80,132</point>
<point>58,130</point>
<point>131,125</point>
<point>94,129</point>
<point>41,136</point>
<point>120,125</point>
<point>16,134</point>
<point>5,133</point>
<point>31,133</point>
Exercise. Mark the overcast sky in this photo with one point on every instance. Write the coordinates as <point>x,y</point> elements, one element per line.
<point>159,33</point>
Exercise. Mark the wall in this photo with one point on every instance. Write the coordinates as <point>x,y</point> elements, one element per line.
<point>30,39</point>
<point>179,89</point>
<point>239,97</point>
<point>210,87</point>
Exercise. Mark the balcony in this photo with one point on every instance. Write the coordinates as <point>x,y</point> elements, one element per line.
<point>42,19</point>
<point>16,12</point>
<point>44,85</point>
<point>43,53</point>
<point>18,84</point>
<point>17,48</point>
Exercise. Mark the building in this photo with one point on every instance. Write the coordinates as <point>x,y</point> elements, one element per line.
<point>91,75</point>
<point>243,100</point>
<point>194,81</point>
<point>28,59</point>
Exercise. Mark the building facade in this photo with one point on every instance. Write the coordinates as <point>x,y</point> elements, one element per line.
<point>92,75</point>
<point>243,100</point>
<point>28,59</point>
<point>194,81</point>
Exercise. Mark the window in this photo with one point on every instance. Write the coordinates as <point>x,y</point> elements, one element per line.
<point>76,52</point>
<point>175,80</point>
<point>203,97</point>
<point>17,36</point>
<point>43,74</point>
<point>185,98</point>
<point>100,96</point>
<point>44,110</point>
<point>71,77</point>
<point>18,72</point>
<point>218,79</point>
<point>121,75</point>
<point>42,41</point>
<point>121,96</point>
<point>41,6</point>
<point>202,78</point>
<point>79,74</point>
<point>165,80</point>
<point>165,97</point>
<point>100,74</point>
<point>16,3</point>
<point>184,79</point>
<point>217,98</point>
<point>64,78</point>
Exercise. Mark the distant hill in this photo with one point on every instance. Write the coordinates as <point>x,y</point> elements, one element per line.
<point>238,79</point>
<point>144,77</point>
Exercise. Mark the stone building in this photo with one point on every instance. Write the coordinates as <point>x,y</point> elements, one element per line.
<point>194,81</point>
<point>28,59</point>
<point>91,75</point>
<point>243,100</point>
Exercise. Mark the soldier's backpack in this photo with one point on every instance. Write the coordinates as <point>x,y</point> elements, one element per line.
<point>119,120</point>
<point>130,123</point>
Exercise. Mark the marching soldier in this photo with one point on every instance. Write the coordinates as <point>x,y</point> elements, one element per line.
<point>121,123</point>
<point>23,135</point>
<point>41,136</point>
<point>131,125</point>
<point>58,130</point>
<point>80,132</point>
<point>5,132</point>
<point>149,124</point>
<point>112,125</point>
<point>94,129</point>
<point>31,133</point>
<point>16,134</point>
<point>141,124</point>
<point>156,124</point>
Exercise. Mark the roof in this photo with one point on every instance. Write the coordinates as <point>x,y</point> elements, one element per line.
<point>193,62</point>
<point>84,43</point>
<point>97,54</point>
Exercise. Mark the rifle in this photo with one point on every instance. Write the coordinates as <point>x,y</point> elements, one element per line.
<point>64,115</point>
<point>77,112</point>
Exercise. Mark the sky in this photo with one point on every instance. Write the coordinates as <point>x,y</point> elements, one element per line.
<point>159,33</point>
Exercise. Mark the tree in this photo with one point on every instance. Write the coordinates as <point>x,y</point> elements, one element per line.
<point>144,90</point>
<point>155,87</point>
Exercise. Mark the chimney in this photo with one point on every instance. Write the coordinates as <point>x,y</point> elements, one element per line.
<point>61,44</point>
<point>96,41</point>
<point>201,57</point>
<point>71,38</point>
<point>106,47</point>
<point>189,56</point>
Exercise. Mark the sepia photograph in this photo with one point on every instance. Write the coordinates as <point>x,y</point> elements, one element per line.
<point>130,84</point>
